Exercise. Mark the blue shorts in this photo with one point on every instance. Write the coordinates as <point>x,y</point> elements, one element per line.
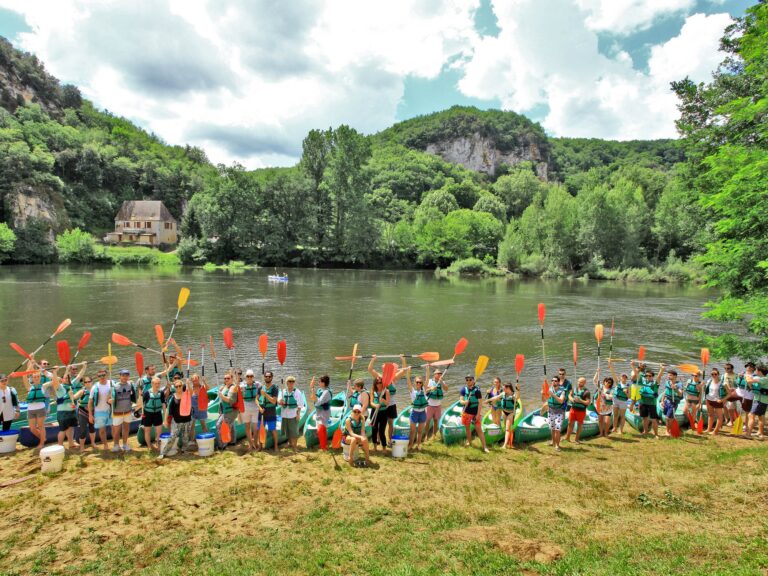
<point>102,419</point>
<point>198,414</point>
<point>758,408</point>
<point>418,417</point>
<point>669,408</point>
<point>271,425</point>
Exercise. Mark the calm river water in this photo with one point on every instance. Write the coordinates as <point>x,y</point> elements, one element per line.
<point>322,313</point>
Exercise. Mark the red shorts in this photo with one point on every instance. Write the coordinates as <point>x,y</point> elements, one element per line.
<point>577,416</point>
<point>467,419</point>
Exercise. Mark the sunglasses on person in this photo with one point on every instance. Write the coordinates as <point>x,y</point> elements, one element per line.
<point>419,382</point>
<point>87,381</point>
<point>356,411</point>
<point>44,363</point>
<point>178,385</point>
<point>227,377</point>
<point>249,376</point>
<point>469,379</point>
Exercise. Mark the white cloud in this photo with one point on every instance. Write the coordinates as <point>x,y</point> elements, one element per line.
<point>551,58</point>
<point>624,16</point>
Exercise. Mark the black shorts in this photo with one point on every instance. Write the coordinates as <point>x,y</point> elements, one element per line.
<point>66,420</point>
<point>83,424</point>
<point>649,411</point>
<point>746,405</point>
<point>391,411</point>
<point>152,419</point>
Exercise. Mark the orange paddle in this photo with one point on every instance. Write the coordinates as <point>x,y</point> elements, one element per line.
<point>225,433</point>
<point>59,329</point>
<point>542,310</point>
<point>83,342</point>
<point>121,340</point>
<point>263,350</point>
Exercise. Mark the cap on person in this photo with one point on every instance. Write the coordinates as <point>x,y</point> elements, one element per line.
<point>3,377</point>
<point>249,372</point>
<point>125,372</point>
<point>438,371</point>
<point>469,376</point>
<point>357,407</point>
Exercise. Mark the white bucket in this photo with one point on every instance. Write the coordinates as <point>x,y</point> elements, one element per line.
<point>51,459</point>
<point>8,440</point>
<point>346,448</point>
<point>399,446</point>
<point>205,443</point>
<point>164,438</point>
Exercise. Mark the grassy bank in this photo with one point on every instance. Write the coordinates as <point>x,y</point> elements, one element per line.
<point>143,255</point>
<point>621,506</point>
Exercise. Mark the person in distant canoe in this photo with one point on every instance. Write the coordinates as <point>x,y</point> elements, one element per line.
<point>693,396</point>
<point>379,406</point>
<point>556,402</point>
<point>673,394</point>
<point>270,394</point>
<point>580,397</point>
<point>495,391</point>
<point>251,416</point>
<point>621,394</point>
<point>354,434</point>
<point>715,393</point>
<point>199,404</point>
<point>649,394</point>
<point>322,400</point>
<point>228,395</point>
<point>292,404</point>
<point>419,404</point>
<point>9,404</point>
<point>66,405</point>
<point>152,413</point>
<point>472,398</point>
<point>507,402</point>
<point>435,393</point>
<point>179,424</point>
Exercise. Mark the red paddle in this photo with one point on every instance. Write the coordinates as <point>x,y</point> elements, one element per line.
<point>139,363</point>
<point>65,354</point>
<point>388,373</point>
<point>86,337</point>
<point>599,338</point>
<point>673,426</point>
<point>225,433</point>
<point>159,335</point>
<point>457,349</point>
<point>542,314</point>
<point>263,349</point>
<point>641,353</point>
<point>121,340</point>
<point>60,328</point>
<point>229,342</point>
<point>281,351</point>
<point>21,351</point>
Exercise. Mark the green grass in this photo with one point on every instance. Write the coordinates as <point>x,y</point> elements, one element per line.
<point>121,255</point>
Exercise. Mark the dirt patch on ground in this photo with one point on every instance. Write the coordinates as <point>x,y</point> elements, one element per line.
<point>510,543</point>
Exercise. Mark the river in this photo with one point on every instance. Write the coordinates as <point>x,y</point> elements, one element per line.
<point>322,313</point>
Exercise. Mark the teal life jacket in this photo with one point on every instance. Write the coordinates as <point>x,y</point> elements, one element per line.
<point>740,382</point>
<point>553,402</point>
<point>226,407</point>
<point>620,392</point>
<point>290,399</point>
<point>648,392</point>
<point>35,394</point>
<point>508,403</point>
<point>273,391</point>
<point>437,393</point>
<point>420,400</point>
<point>470,394</point>
<point>392,391</point>
<point>250,393</point>
<point>691,388</point>
<point>155,402</point>
<point>671,392</point>
<point>325,405</point>
<point>357,425</point>
<point>581,394</point>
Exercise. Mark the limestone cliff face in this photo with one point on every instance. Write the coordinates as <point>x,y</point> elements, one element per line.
<point>26,202</point>
<point>480,154</point>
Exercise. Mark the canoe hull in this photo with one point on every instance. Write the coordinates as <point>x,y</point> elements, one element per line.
<point>494,433</point>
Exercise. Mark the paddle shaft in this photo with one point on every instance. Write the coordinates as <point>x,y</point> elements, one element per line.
<point>36,350</point>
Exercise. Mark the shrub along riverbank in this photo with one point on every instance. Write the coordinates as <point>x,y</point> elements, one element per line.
<point>621,506</point>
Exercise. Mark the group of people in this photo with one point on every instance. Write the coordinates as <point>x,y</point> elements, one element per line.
<point>96,405</point>
<point>724,399</point>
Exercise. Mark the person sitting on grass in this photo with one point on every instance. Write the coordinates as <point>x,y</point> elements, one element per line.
<point>354,434</point>
<point>579,399</point>
<point>472,398</point>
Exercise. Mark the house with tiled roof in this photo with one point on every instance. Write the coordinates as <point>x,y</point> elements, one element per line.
<point>145,223</point>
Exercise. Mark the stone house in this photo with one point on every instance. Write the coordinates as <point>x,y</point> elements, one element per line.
<point>143,222</point>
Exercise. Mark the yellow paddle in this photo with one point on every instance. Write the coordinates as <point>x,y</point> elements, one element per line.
<point>482,364</point>
<point>182,301</point>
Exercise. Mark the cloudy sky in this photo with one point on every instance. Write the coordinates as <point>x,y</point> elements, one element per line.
<point>246,79</point>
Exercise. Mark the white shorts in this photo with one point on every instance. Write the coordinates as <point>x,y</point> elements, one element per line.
<point>620,404</point>
<point>251,413</point>
<point>118,419</point>
<point>730,405</point>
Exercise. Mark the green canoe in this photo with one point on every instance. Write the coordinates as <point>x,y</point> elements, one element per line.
<point>493,433</point>
<point>338,409</point>
<point>402,426</point>
<point>535,427</point>
<point>451,428</point>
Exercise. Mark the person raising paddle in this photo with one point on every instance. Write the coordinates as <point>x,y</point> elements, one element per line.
<point>418,418</point>
<point>391,407</point>
<point>152,413</point>
<point>435,394</point>
<point>507,404</point>
<point>379,405</point>
<point>472,398</point>
<point>270,393</point>
<point>673,394</point>
<point>693,390</point>
<point>620,398</point>
<point>228,395</point>
<point>491,397</point>
<point>649,393</point>
<point>555,411</point>
<point>359,395</point>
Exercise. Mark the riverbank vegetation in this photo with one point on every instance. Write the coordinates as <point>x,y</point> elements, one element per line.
<point>621,506</point>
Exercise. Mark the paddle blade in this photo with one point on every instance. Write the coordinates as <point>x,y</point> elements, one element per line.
<point>388,373</point>
<point>429,356</point>
<point>545,390</point>
<point>737,425</point>
<point>519,363</point>
<point>263,345</point>
<point>336,441</point>
<point>121,340</point>
<point>691,421</point>
<point>213,349</point>
<point>139,363</point>
<point>688,368</point>
<point>281,351</point>
<point>575,353</point>
<point>65,354</point>
<point>19,349</point>
<point>159,335</point>
<point>193,362</point>
<point>185,408</point>
<point>84,341</point>
<point>22,374</point>
<point>674,427</point>
<point>225,433</point>
<point>542,313</point>
<point>480,366</point>
<point>63,326</point>
<point>322,436</point>
<point>700,424</point>
<point>229,339</point>
<point>108,360</point>
<point>641,353</point>
<point>447,362</point>
<point>705,356</point>
<point>183,297</point>
<point>263,433</point>
<point>460,346</point>
<point>612,327</point>
<point>599,332</point>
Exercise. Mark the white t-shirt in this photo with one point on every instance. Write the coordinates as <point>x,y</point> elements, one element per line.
<point>291,412</point>
<point>105,392</point>
<point>714,390</point>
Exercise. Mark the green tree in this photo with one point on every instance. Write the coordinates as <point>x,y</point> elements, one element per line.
<point>7,242</point>
<point>76,246</point>
<point>33,243</point>
<point>518,188</point>
<point>491,204</point>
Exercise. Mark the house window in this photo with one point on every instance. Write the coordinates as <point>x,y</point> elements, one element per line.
<point>169,225</point>
<point>127,224</point>
<point>147,224</point>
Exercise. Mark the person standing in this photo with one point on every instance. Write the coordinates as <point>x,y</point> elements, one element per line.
<point>746,393</point>
<point>66,416</point>
<point>759,382</point>
<point>251,415</point>
<point>322,400</point>
<point>649,394</point>
<point>673,394</point>
<point>9,404</point>
<point>152,415</point>
<point>579,399</point>
<point>100,406</point>
<point>621,396</point>
<point>379,404</point>
<point>199,404</point>
<point>435,393</point>
<point>606,394</point>
<point>566,385</point>
<point>269,396</point>
<point>715,394</point>
<point>419,405</point>
<point>472,398</point>
<point>180,425</point>
<point>494,392</point>
<point>81,392</point>
<point>508,405</point>
<point>37,401</point>
<point>556,403</point>
<point>123,397</point>
<point>391,411</point>
<point>292,404</point>
<point>693,397</point>
<point>228,395</point>
<point>359,395</point>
